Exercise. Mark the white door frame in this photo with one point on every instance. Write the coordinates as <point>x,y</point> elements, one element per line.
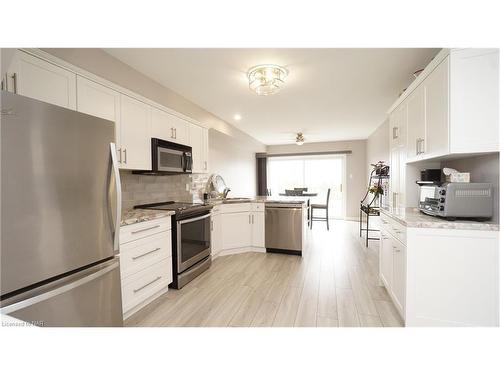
<point>343,210</point>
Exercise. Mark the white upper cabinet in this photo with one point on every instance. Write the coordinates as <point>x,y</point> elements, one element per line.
<point>198,137</point>
<point>474,100</point>
<point>97,100</point>
<point>100,101</point>
<point>168,127</point>
<point>41,80</point>
<point>453,108</point>
<point>436,110</point>
<point>398,126</point>
<point>416,122</point>
<point>135,152</point>
<point>162,125</point>
<point>181,131</point>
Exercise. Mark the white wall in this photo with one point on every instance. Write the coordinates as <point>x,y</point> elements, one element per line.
<point>235,162</point>
<point>355,166</point>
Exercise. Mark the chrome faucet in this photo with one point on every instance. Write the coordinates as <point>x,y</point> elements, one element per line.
<point>226,192</point>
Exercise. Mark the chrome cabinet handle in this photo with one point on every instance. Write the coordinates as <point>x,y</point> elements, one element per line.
<point>145,285</point>
<point>146,253</point>
<point>249,220</point>
<point>175,133</point>
<point>5,82</point>
<point>205,165</point>
<point>14,77</point>
<point>252,219</point>
<point>120,154</point>
<point>211,225</point>
<point>125,154</point>
<point>395,132</point>
<point>145,229</point>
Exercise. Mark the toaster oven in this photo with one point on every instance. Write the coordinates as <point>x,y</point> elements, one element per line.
<point>457,200</point>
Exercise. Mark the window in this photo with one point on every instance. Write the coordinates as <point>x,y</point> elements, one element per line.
<point>316,173</point>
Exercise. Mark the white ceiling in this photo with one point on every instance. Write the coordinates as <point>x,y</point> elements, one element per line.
<point>330,94</point>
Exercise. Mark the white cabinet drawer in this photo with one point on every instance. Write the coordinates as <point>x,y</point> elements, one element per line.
<point>146,228</point>
<point>391,226</point>
<point>140,254</point>
<point>258,207</point>
<point>236,207</point>
<point>145,283</point>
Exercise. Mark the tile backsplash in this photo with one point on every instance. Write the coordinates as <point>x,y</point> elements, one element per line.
<point>142,189</point>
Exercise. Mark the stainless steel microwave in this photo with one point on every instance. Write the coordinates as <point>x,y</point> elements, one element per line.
<point>169,158</point>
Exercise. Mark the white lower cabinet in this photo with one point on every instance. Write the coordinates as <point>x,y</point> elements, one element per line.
<point>385,258</point>
<point>258,229</point>
<point>392,261</point>
<point>237,228</point>
<point>399,274</point>
<point>441,277</point>
<point>145,262</point>
<point>216,227</point>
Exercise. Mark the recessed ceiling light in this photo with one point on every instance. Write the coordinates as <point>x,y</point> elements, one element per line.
<point>237,117</point>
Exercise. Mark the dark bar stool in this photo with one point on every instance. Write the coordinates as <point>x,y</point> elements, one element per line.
<point>321,207</point>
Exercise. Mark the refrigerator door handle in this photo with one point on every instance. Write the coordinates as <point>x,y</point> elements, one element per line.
<point>118,213</point>
<point>60,289</point>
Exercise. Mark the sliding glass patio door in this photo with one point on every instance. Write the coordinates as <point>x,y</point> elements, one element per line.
<point>316,173</point>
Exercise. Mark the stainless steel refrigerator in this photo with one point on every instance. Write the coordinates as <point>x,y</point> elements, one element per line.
<point>60,215</point>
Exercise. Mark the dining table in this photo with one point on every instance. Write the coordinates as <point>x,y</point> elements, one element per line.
<point>299,195</point>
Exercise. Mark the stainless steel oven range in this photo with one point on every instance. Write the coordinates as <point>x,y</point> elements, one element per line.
<point>191,251</point>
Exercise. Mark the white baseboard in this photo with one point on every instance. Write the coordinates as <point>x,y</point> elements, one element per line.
<point>241,250</point>
<point>351,218</point>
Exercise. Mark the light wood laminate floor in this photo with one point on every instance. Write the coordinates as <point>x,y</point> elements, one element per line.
<point>333,284</point>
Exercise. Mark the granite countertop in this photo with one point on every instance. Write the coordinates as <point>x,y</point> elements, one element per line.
<point>133,216</point>
<point>413,218</point>
<point>262,199</point>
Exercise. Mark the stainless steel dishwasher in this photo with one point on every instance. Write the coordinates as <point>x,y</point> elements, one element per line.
<point>284,228</point>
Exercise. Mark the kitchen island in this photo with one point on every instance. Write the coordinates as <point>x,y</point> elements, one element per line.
<point>245,224</point>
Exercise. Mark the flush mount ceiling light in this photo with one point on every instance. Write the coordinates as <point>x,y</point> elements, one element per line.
<point>266,79</point>
<point>299,140</point>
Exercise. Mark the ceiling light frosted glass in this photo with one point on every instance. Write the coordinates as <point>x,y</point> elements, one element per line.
<point>266,79</point>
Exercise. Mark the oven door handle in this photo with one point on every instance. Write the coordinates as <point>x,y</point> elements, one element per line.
<point>195,219</point>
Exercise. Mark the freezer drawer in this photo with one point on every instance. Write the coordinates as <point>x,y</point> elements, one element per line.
<point>89,298</point>
<point>284,228</point>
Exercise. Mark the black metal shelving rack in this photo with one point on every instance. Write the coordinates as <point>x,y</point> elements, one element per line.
<point>370,205</point>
